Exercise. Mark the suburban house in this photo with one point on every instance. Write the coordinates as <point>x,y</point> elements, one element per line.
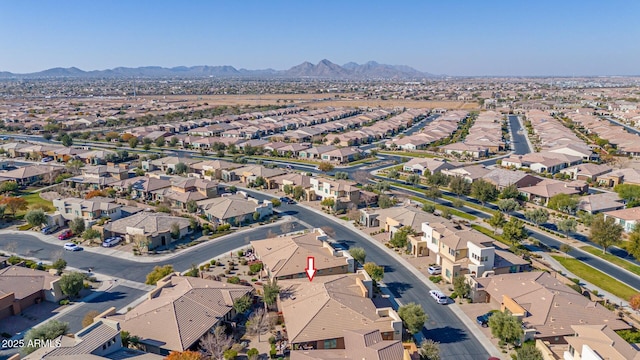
<point>358,344</point>
<point>90,210</point>
<point>142,187</point>
<point>285,257</point>
<point>394,218</point>
<point>32,174</point>
<point>21,287</point>
<point>155,227</point>
<point>598,342</point>
<point>100,340</point>
<point>615,177</point>
<point>315,152</point>
<point>587,171</point>
<point>100,176</point>
<point>183,190</point>
<point>341,155</point>
<point>503,178</point>
<point>343,192</point>
<point>249,174</point>
<point>293,179</point>
<point>602,202</point>
<point>470,173</point>
<point>167,163</point>
<point>461,149</point>
<point>234,209</point>
<point>425,166</point>
<point>548,188</point>
<point>317,313</point>
<point>212,169</point>
<point>547,306</point>
<point>542,162</point>
<point>627,218</point>
<point>180,311</point>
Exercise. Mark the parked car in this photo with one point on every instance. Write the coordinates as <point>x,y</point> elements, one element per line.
<point>439,297</point>
<point>49,229</point>
<point>72,247</point>
<point>67,234</point>
<point>287,200</point>
<point>435,270</point>
<point>112,241</point>
<point>47,159</point>
<point>483,319</point>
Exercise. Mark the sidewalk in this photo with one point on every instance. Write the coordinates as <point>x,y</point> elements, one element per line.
<point>556,265</point>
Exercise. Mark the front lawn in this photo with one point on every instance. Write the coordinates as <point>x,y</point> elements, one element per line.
<point>596,277</point>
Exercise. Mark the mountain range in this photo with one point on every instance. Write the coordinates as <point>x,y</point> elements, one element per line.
<point>325,69</point>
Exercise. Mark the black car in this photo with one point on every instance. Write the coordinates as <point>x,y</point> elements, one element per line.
<point>483,319</point>
<point>287,200</point>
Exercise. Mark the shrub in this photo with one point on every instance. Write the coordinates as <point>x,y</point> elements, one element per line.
<point>233,280</point>
<point>435,279</point>
<point>255,267</point>
<point>64,302</point>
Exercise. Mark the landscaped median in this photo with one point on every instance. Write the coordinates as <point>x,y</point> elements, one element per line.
<point>451,211</point>
<point>612,259</point>
<point>596,277</point>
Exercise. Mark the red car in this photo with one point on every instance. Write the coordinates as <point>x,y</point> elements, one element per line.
<point>67,234</point>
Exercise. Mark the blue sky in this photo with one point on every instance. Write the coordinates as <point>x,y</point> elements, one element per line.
<point>453,37</point>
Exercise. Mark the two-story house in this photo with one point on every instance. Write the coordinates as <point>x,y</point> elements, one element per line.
<point>88,209</point>
<point>343,192</point>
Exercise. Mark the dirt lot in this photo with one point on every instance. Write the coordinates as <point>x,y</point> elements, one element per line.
<point>314,101</point>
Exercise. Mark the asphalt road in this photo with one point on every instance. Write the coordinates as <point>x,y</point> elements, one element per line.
<point>627,127</point>
<point>27,245</point>
<point>520,144</point>
<point>118,297</point>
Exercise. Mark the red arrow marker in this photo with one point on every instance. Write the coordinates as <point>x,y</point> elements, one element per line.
<point>311,267</point>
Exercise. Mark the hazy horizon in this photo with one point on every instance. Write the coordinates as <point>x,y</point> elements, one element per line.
<point>465,38</point>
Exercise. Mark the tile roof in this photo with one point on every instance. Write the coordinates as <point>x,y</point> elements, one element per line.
<point>23,281</point>
<point>182,311</point>
<point>152,223</point>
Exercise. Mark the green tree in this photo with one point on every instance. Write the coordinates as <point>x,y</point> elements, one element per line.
<point>484,191</point>
<point>288,189</point>
<point>181,168</point>
<point>9,187</point>
<point>158,273</point>
<point>563,202</point>
<point>66,140</point>
<point>259,182</point>
<point>528,352</point>
<point>461,286</point>
<point>429,350</point>
<point>428,207</point>
<point>192,206</point>
<point>565,248</point>
<point>175,230</point>
<point>146,147</point>
<point>413,179</point>
<point>193,271</point>
<point>36,217</point>
<point>341,175</point>
<point>537,216</point>
<point>459,186</point>
<point>242,304</point>
<point>514,231</point>
<point>629,193</point>
<point>276,202</point>
<point>253,353</point>
<point>160,141</point>
<point>358,254</point>
<point>393,174</point>
<point>270,292</point>
<point>633,245</point>
<point>507,205</point>
<point>567,225</point>
<point>399,238</point>
<point>376,272</point>
<point>505,327</point>
<point>413,317</point>
<point>71,284</point>
<point>510,192</point>
<point>174,141</point>
<point>74,166</point>
<point>256,216</point>
<point>437,179</point>
<point>328,202</point>
<point>49,331</point>
<point>433,193</point>
<point>605,232</point>
<point>586,218</point>
<point>59,264</point>
<point>298,192</point>
<point>385,202</point>
<point>77,225</point>
<point>133,142</point>
<point>90,233</point>
<point>497,221</point>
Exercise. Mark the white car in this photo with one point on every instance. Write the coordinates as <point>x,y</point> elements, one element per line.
<point>435,270</point>
<point>439,297</point>
<point>72,247</point>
